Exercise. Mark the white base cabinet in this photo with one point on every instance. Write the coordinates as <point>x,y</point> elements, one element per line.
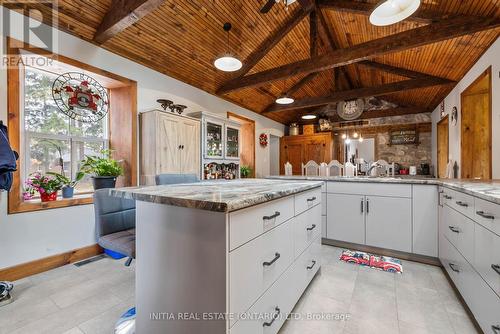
<point>346,218</point>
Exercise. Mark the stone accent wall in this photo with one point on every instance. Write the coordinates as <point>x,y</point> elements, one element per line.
<point>405,155</point>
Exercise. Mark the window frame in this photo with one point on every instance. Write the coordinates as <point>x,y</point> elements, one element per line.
<point>119,126</point>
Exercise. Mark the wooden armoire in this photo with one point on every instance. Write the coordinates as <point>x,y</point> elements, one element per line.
<point>169,143</point>
<point>302,148</point>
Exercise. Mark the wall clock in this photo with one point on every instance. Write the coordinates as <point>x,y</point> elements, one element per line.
<point>80,97</point>
<point>350,110</point>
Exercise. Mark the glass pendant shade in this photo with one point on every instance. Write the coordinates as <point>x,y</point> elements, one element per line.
<point>228,63</point>
<point>392,11</point>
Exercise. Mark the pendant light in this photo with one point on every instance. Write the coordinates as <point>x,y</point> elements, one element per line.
<point>392,11</point>
<point>284,98</point>
<point>309,116</point>
<point>227,62</point>
<point>360,139</point>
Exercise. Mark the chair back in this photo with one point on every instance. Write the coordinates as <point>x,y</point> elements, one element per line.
<point>112,214</point>
<point>323,169</point>
<point>162,179</point>
<point>335,168</point>
<point>350,169</point>
<point>288,169</point>
<point>311,168</point>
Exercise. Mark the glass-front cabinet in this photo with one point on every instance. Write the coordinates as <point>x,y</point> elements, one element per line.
<point>232,142</point>
<point>213,139</point>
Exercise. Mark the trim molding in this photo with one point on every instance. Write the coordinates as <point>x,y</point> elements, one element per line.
<point>48,263</point>
<point>382,251</point>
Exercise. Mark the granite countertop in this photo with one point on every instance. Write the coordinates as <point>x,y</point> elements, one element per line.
<point>220,196</point>
<point>488,190</point>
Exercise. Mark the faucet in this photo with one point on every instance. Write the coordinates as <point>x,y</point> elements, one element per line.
<point>374,165</point>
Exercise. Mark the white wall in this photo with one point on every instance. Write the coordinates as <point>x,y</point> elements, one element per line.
<point>490,58</point>
<point>29,236</point>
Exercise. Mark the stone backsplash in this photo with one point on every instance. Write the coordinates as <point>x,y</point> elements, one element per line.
<point>405,155</point>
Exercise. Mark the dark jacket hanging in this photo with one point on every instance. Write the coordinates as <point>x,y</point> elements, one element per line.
<point>8,159</point>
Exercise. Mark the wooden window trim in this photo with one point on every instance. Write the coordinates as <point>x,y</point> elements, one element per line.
<point>122,128</point>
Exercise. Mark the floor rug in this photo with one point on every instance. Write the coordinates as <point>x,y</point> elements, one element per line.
<point>384,263</point>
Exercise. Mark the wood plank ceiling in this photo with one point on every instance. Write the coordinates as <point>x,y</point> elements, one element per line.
<point>182,39</point>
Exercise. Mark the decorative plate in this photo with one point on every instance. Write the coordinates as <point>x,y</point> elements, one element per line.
<point>350,110</point>
<point>80,97</point>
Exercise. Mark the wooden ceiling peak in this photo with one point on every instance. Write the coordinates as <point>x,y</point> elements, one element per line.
<point>435,32</point>
<point>122,14</point>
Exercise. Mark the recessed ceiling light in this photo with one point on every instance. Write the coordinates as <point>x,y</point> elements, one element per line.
<point>392,11</point>
<point>309,116</point>
<point>228,63</point>
<point>284,100</point>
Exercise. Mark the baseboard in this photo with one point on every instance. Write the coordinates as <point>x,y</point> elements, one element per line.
<point>47,263</point>
<point>382,251</point>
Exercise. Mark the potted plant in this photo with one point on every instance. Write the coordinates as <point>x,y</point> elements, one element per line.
<point>104,170</point>
<point>245,171</point>
<point>68,188</point>
<point>46,185</point>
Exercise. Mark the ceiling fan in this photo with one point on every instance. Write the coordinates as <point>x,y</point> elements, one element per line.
<point>270,3</point>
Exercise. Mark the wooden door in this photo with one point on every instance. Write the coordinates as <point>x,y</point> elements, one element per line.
<point>442,146</point>
<point>346,218</point>
<point>388,223</point>
<point>476,129</point>
<point>168,146</point>
<point>315,150</point>
<point>291,151</point>
<point>189,139</point>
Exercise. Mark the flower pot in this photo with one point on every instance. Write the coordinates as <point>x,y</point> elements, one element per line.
<point>67,192</point>
<point>101,182</point>
<point>48,197</point>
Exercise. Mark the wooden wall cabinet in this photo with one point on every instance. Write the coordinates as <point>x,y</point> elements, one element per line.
<point>300,149</point>
<point>170,143</point>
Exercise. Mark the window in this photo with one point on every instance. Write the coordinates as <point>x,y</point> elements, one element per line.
<point>54,142</point>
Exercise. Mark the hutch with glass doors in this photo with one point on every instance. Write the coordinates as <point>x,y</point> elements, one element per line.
<point>220,146</point>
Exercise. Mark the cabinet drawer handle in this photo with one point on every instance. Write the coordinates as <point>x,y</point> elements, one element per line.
<point>362,206</point>
<point>276,257</point>
<point>485,215</point>
<point>275,316</point>
<point>367,206</point>
<point>313,226</point>
<point>453,229</point>
<point>276,214</point>
<point>311,199</point>
<point>462,204</point>
<point>447,197</point>
<point>312,265</point>
<point>452,266</point>
<point>496,267</point>
<point>496,328</point>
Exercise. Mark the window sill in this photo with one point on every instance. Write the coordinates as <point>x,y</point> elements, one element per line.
<point>37,205</point>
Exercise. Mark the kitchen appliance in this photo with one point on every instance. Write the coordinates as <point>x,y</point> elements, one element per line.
<point>413,170</point>
<point>425,169</point>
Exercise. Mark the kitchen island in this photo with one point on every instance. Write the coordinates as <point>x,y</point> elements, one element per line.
<point>224,257</point>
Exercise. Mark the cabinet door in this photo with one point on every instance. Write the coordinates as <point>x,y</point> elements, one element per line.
<point>214,140</point>
<point>388,223</point>
<point>232,143</point>
<point>315,150</point>
<point>190,152</point>
<point>292,152</point>
<point>168,146</point>
<point>346,218</point>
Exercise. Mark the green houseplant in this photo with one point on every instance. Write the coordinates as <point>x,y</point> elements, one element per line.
<point>104,170</point>
<point>46,185</point>
<point>69,185</point>
<point>245,171</point>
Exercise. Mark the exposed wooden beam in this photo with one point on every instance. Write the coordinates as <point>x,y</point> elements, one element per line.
<point>432,33</point>
<point>399,111</point>
<point>364,8</point>
<point>307,4</point>
<point>360,93</point>
<point>271,41</point>
<point>122,14</point>
<point>313,34</point>
<point>395,70</point>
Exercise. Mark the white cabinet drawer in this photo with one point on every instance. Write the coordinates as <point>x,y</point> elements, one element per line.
<point>276,303</point>
<point>255,266</point>
<point>307,265</point>
<point>460,232</point>
<point>307,227</point>
<point>488,215</point>
<point>453,262</point>
<point>487,256</point>
<point>371,189</point>
<point>461,202</point>
<point>307,200</point>
<point>246,224</point>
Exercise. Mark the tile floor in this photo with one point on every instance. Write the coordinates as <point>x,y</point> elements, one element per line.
<point>89,299</point>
